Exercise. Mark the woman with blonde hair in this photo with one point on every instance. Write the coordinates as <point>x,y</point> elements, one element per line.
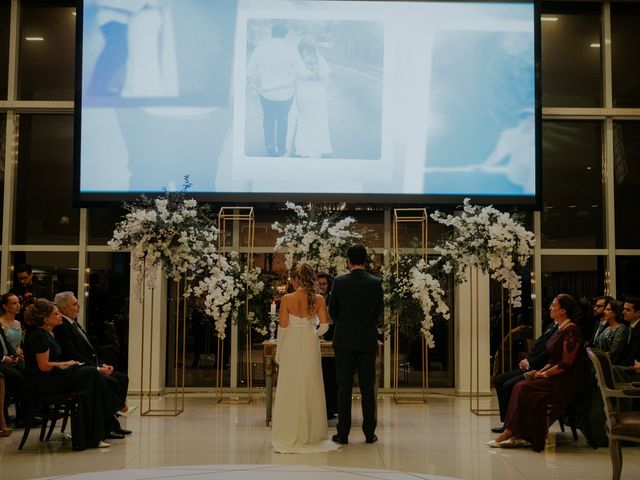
<point>299,414</point>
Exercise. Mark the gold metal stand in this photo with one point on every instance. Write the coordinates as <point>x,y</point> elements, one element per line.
<point>474,322</point>
<point>417,216</point>
<point>236,215</point>
<point>180,353</point>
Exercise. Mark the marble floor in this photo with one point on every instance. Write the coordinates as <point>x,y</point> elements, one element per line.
<point>439,439</point>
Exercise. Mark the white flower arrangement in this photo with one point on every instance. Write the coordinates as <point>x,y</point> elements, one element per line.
<point>171,232</point>
<point>316,236</point>
<point>226,291</point>
<point>486,238</point>
<point>414,294</point>
<point>219,290</point>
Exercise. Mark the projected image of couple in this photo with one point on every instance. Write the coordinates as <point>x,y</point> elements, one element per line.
<point>299,103</point>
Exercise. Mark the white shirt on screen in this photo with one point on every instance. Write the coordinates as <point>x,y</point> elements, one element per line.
<point>276,65</point>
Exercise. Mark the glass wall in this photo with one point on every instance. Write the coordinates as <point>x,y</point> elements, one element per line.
<point>587,235</point>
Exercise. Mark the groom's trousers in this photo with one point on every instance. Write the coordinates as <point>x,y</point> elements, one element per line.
<point>364,363</point>
<point>276,124</point>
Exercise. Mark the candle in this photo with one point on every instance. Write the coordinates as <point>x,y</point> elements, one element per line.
<point>273,308</point>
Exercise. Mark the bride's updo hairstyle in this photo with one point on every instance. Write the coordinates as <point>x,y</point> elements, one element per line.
<point>36,313</point>
<point>308,280</point>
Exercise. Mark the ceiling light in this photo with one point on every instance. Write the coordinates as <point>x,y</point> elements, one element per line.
<point>34,39</point>
<point>595,45</point>
<point>549,19</point>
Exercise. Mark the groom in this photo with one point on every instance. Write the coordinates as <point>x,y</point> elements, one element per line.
<point>355,305</point>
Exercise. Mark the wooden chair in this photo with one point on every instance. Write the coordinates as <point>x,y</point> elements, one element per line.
<point>620,425</point>
<point>50,407</point>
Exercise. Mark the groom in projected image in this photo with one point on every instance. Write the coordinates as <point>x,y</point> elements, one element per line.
<point>273,70</point>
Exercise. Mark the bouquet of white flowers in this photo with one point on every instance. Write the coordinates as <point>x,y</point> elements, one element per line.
<point>317,236</point>
<point>219,290</point>
<point>414,294</point>
<point>233,291</point>
<point>493,241</point>
<point>171,231</point>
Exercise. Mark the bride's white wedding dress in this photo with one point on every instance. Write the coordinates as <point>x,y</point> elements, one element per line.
<point>299,412</point>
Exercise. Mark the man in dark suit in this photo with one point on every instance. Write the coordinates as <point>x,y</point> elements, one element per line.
<point>76,345</point>
<point>505,382</point>
<point>355,305</point>
<point>628,368</point>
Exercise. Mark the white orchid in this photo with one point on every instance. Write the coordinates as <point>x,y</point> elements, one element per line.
<point>488,239</point>
<point>316,237</point>
<point>166,232</point>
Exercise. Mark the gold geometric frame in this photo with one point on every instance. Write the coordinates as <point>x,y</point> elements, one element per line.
<point>233,215</point>
<point>419,216</point>
<point>178,388</point>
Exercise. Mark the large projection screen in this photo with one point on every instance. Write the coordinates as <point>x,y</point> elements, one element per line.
<point>320,100</point>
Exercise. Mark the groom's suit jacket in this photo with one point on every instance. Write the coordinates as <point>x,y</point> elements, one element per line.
<point>355,305</point>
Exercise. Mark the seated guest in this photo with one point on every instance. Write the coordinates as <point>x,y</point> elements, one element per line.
<point>5,431</point>
<point>613,340</point>
<point>48,373</point>
<point>12,369</point>
<point>536,359</point>
<point>600,324</point>
<point>10,306</point>
<point>628,364</point>
<point>76,345</point>
<point>553,386</point>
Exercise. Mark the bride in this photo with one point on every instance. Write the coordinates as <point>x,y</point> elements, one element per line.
<point>299,414</point>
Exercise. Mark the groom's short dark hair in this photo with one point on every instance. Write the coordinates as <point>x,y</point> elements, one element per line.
<point>357,254</point>
<point>279,30</point>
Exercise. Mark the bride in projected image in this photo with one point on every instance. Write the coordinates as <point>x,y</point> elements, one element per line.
<point>312,136</point>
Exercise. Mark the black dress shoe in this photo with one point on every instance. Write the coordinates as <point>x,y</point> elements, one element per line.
<point>123,431</point>
<point>498,429</point>
<point>372,439</point>
<point>114,436</point>
<point>340,440</point>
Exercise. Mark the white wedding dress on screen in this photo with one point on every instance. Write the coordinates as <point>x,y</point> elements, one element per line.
<point>313,136</point>
<point>299,412</point>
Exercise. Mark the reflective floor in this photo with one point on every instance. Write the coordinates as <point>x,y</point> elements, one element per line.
<point>442,438</point>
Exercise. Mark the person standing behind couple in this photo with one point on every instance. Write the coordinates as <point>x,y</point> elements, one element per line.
<point>273,69</point>
<point>355,305</point>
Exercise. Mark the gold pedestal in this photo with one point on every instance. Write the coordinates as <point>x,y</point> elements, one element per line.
<point>236,215</point>
<point>419,216</point>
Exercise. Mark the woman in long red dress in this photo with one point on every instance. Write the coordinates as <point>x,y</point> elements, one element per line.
<point>547,392</point>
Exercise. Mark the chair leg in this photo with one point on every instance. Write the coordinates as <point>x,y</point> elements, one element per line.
<point>27,429</point>
<point>616,458</point>
<point>54,420</point>
<point>43,428</point>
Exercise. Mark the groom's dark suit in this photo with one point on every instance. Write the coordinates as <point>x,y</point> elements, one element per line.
<point>355,305</point>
